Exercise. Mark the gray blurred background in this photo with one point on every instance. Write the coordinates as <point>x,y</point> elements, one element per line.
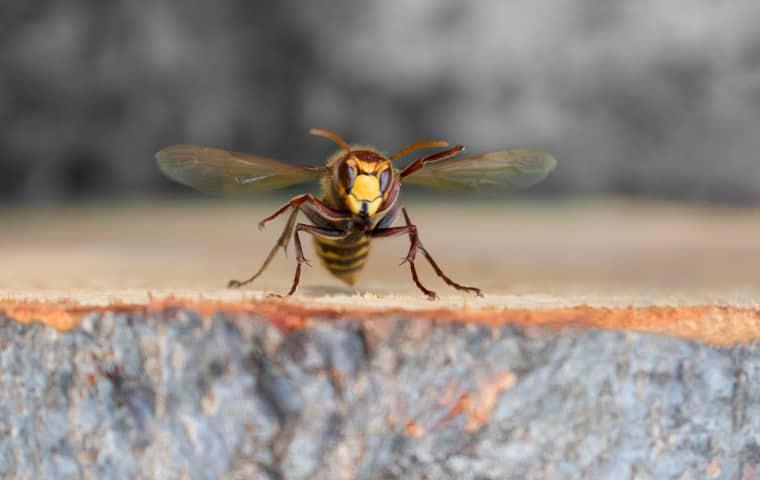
<point>645,98</point>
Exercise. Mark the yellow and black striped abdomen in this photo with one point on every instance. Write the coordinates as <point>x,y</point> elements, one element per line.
<point>343,257</point>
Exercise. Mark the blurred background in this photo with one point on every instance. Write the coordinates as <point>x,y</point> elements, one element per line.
<point>643,98</point>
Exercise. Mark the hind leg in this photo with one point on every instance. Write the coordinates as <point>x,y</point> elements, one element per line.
<point>282,242</point>
<point>411,230</point>
<point>435,266</point>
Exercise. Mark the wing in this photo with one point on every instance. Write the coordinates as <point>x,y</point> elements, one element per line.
<point>217,171</point>
<point>504,169</point>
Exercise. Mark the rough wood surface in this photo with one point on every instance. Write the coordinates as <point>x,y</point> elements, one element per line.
<point>608,252</point>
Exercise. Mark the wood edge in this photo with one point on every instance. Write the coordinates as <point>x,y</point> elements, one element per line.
<point>716,325</point>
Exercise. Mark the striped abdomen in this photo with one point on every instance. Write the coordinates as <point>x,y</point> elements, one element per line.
<point>343,257</point>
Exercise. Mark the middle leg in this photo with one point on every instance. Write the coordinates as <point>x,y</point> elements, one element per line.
<point>411,230</point>
<point>321,231</point>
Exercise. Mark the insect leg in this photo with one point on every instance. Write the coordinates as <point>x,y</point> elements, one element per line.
<point>324,210</point>
<point>303,227</point>
<point>435,266</point>
<point>420,162</point>
<point>410,230</point>
<point>282,242</point>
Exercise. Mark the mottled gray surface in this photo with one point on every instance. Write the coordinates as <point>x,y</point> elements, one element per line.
<point>179,396</point>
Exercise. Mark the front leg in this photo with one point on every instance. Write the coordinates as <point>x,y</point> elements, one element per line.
<point>323,210</point>
<point>322,232</point>
<point>436,157</point>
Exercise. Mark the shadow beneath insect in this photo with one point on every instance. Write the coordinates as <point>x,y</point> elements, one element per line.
<point>318,291</point>
<point>328,290</point>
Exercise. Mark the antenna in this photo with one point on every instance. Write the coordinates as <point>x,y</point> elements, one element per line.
<point>329,134</point>
<point>419,145</point>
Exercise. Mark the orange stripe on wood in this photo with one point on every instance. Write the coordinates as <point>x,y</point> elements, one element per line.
<point>712,324</point>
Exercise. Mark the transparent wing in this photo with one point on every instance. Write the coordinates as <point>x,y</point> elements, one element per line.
<point>504,169</point>
<point>217,171</point>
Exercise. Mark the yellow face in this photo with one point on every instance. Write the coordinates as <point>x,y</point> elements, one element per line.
<point>364,179</point>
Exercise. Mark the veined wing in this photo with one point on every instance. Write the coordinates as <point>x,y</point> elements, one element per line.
<point>217,171</point>
<point>503,169</point>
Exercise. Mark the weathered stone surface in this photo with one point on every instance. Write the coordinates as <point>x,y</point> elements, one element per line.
<point>173,395</point>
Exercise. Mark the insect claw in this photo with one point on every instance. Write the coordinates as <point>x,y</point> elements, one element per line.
<point>431,295</point>
<point>473,290</point>
<point>234,284</point>
<point>262,225</point>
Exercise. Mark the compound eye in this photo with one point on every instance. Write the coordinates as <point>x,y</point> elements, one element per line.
<point>347,175</point>
<point>385,179</point>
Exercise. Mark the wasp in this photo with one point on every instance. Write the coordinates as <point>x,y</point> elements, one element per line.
<point>360,195</point>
